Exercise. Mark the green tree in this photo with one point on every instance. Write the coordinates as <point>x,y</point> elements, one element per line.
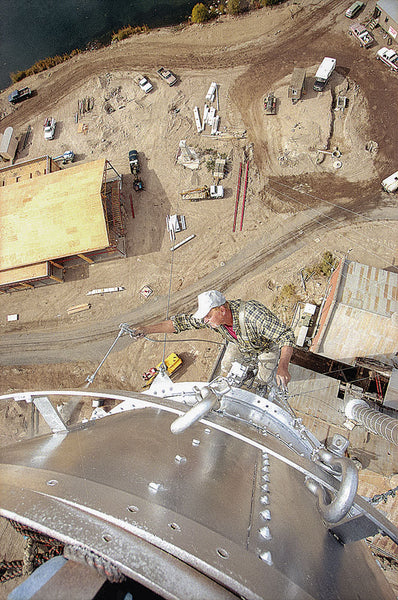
<point>234,7</point>
<point>200,13</point>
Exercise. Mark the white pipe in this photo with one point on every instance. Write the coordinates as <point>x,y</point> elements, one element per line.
<point>373,420</point>
<point>183,242</point>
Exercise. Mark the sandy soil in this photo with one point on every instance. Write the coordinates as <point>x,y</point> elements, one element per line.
<point>296,206</point>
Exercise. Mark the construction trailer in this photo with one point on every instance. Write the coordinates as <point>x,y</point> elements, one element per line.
<point>297,85</point>
<point>52,218</point>
<point>8,144</point>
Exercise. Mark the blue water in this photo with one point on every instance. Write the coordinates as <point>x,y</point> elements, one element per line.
<point>34,29</point>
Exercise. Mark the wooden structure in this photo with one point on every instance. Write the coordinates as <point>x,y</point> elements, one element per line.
<point>297,84</point>
<point>49,216</point>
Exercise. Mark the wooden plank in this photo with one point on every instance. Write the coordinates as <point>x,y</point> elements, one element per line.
<point>78,308</point>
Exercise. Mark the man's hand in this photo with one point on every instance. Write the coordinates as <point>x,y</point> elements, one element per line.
<point>282,372</point>
<point>136,334</point>
<point>282,376</point>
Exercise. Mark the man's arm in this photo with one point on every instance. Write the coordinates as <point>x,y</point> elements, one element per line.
<point>161,327</point>
<point>282,372</point>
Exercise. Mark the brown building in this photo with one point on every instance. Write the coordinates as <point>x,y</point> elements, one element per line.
<point>51,216</point>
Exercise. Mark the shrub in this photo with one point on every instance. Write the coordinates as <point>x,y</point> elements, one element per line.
<point>234,7</point>
<point>325,267</point>
<point>200,13</point>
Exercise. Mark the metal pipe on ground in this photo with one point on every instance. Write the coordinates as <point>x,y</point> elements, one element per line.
<point>373,420</point>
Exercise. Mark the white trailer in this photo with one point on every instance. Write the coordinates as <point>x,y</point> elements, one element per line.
<point>390,184</point>
<point>323,73</point>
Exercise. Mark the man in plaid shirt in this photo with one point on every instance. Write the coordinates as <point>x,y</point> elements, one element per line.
<point>250,328</point>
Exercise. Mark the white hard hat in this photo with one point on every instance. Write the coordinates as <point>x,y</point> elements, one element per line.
<point>207,301</point>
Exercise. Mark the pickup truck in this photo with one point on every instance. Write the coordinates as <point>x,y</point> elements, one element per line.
<point>144,83</point>
<point>270,104</point>
<point>365,38</point>
<point>49,128</point>
<point>389,57</point>
<point>19,95</point>
<point>167,76</point>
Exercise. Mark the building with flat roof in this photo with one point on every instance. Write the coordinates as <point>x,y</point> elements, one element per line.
<point>386,13</point>
<point>49,216</point>
<point>359,317</point>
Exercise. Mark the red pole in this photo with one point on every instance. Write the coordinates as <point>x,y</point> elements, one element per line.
<point>132,207</point>
<point>237,197</point>
<point>244,196</point>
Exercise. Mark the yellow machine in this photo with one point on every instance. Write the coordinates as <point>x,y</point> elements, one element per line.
<point>172,362</point>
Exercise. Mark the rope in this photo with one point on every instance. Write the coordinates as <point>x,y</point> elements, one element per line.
<point>10,569</point>
<point>38,549</point>
<point>100,564</point>
<point>384,496</point>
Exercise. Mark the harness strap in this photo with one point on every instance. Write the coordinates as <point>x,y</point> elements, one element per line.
<point>242,325</point>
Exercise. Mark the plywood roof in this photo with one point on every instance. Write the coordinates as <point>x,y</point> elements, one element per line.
<point>56,215</point>
<point>20,274</point>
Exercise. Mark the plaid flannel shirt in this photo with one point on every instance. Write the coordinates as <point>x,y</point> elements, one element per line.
<point>263,328</point>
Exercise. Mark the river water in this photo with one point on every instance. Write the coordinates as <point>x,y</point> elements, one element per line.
<point>34,29</point>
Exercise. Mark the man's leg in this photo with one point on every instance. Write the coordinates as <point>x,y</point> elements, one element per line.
<point>267,364</point>
<point>232,354</point>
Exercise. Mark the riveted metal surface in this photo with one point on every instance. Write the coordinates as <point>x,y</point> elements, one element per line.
<point>221,497</point>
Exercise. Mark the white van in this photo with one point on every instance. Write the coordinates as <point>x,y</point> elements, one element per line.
<point>390,184</point>
<point>354,9</point>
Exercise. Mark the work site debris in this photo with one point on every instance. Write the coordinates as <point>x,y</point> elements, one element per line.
<point>187,156</point>
<point>78,308</point>
<point>105,290</point>
<point>85,105</point>
<point>146,291</point>
<point>183,242</point>
<point>175,223</point>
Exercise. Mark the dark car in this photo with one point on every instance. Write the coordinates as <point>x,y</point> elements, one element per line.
<point>134,163</point>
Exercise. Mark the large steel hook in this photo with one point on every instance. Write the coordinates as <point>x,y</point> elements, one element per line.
<point>333,511</point>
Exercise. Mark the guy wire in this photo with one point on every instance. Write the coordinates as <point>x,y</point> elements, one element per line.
<point>168,306</point>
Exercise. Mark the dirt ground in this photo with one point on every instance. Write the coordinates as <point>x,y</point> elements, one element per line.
<point>297,205</point>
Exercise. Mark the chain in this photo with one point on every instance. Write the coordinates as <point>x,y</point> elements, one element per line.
<point>384,496</point>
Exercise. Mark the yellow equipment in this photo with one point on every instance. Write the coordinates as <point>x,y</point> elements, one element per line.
<point>172,362</point>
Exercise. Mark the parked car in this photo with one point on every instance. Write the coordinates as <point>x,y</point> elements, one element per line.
<point>167,76</point>
<point>389,57</point>
<point>49,128</point>
<point>19,95</point>
<point>354,9</point>
<point>144,84</point>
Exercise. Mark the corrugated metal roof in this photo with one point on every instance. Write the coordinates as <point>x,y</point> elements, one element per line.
<point>390,7</point>
<point>364,320</point>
